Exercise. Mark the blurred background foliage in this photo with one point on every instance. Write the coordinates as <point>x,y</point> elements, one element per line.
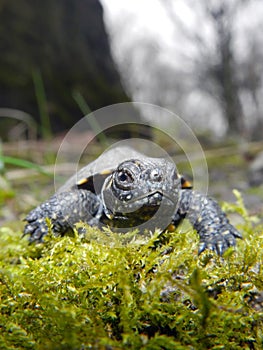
<point>49,51</point>
<point>202,60</point>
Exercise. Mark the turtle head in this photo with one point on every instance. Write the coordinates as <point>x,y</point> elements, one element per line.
<point>140,187</point>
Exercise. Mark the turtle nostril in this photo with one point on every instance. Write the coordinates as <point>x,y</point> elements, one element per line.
<point>156,175</point>
<point>157,196</point>
<point>155,199</point>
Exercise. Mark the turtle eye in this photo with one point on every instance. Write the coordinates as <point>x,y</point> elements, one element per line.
<point>124,179</point>
<point>123,176</point>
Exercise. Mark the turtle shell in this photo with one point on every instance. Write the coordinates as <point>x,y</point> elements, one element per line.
<point>93,174</point>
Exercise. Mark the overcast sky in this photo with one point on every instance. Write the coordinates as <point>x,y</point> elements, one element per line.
<point>149,14</point>
<point>131,22</point>
<point>149,17</point>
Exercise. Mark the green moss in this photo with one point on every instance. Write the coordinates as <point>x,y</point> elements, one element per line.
<point>128,292</point>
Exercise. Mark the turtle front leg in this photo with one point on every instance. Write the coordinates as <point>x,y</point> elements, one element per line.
<point>211,223</point>
<point>63,210</point>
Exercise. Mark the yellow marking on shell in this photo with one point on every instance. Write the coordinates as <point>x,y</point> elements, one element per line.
<point>106,172</point>
<point>82,181</point>
<point>171,228</point>
<point>186,184</point>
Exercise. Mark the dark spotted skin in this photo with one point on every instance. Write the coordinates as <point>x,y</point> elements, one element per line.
<point>147,192</point>
<point>211,223</point>
<point>63,210</point>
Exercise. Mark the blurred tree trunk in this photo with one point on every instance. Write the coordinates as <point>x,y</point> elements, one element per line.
<point>215,63</point>
<point>65,42</point>
<point>224,73</point>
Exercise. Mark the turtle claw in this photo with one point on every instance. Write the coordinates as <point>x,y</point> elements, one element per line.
<point>219,242</point>
<point>36,229</point>
<point>201,248</point>
<point>235,232</point>
<point>217,247</point>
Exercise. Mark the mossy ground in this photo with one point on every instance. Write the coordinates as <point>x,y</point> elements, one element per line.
<point>105,291</point>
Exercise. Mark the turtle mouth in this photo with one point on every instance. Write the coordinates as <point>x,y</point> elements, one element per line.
<point>154,199</point>
<point>142,209</point>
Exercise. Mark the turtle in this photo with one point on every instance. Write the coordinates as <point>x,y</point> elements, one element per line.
<point>125,189</point>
